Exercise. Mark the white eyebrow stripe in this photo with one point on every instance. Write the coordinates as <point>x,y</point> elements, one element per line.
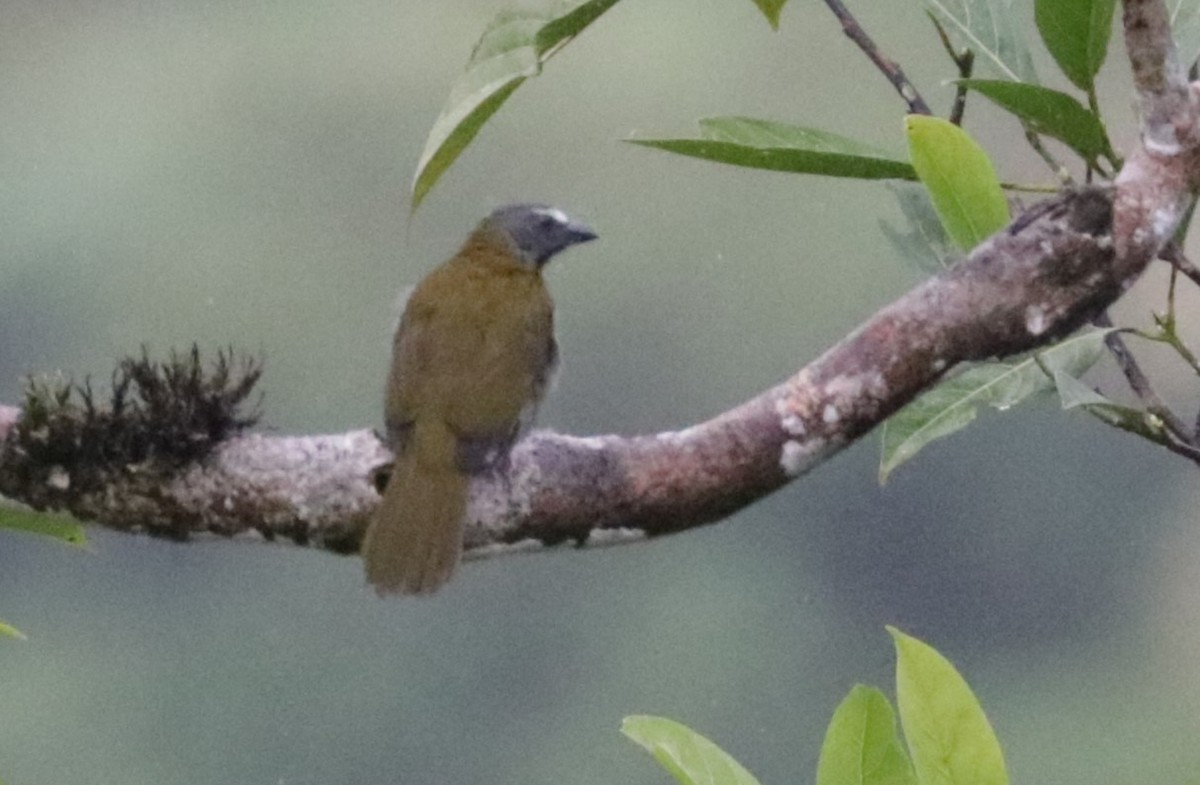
<point>553,212</point>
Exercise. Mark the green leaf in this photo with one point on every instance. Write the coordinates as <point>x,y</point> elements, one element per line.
<point>947,408</point>
<point>1185,26</point>
<point>989,29</point>
<point>12,632</point>
<point>960,179</point>
<point>1075,394</point>
<point>771,9</point>
<point>925,243</point>
<point>59,527</point>
<point>763,144</point>
<point>512,49</point>
<point>1049,112</point>
<point>861,745</point>
<point>949,738</point>
<point>1076,32</point>
<point>953,404</point>
<point>768,134</point>
<point>691,758</point>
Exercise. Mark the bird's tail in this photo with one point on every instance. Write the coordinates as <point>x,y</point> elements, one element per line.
<point>415,540</point>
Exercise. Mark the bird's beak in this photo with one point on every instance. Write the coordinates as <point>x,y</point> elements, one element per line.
<point>580,233</point>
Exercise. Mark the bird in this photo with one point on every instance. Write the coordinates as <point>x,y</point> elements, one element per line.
<point>471,359</point>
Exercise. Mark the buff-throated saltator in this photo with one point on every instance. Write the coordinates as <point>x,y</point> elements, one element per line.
<point>470,362</point>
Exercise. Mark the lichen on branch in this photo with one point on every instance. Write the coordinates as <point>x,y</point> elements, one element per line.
<point>156,418</point>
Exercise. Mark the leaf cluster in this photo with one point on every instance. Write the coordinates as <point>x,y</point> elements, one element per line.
<point>168,413</point>
<point>947,738</point>
<point>519,41</point>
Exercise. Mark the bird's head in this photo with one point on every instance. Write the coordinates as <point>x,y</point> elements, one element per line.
<point>537,231</point>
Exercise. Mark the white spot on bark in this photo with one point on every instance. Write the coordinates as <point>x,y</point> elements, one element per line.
<point>615,536</point>
<point>1035,320</point>
<point>1163,222</point>
<point>589,442</point>
<point>793,425</point>
<point>846,390</point>
<point>831,415</point>
<point>526,545</point>
<point>792,458</point>
<point>59,479</point>
<point>938,365</point>
<point>797,457</point>
<point>680,436</point>
<point>1161,140</point>
<point>791,422</point>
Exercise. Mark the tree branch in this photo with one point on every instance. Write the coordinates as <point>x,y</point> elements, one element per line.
<point>1138,382</point>
<point>1048,273</point>
<point>1051,271</point>
<point>1167,107</point>
<point>888,67</point>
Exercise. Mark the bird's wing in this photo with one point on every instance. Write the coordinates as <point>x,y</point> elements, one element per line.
<point>475,351</point>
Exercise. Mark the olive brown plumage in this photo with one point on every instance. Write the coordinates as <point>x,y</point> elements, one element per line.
<point>471,360</point>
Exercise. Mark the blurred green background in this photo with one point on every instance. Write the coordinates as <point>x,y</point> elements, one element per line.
<point>236,172</point>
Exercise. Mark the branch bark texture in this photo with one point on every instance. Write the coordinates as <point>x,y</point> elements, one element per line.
<point>1051,271</point>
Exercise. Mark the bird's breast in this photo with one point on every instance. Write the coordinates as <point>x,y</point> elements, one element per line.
<point>473,348</point>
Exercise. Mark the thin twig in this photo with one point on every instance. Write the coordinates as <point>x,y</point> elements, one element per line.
<point>965,62</point>
<point>1175,256</point>
<point>1029,188</point>
<point>1167,323</point>
<point>1173,253</point>
<point>1056,166</point>
<point>965,65</point>
<point>889,67</point>
<point>1180,447</point>
<point>1139,382</point>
